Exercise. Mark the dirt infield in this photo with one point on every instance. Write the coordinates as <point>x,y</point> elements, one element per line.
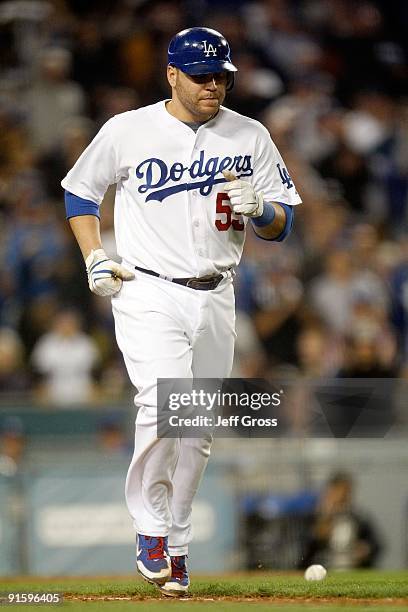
<point>340,601</point>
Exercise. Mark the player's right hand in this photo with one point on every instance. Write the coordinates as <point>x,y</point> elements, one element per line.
<point>105,277</point>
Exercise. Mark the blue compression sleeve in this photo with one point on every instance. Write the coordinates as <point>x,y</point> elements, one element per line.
<point>289,222</point>
<point>267,217</point>
<point>76,206</point>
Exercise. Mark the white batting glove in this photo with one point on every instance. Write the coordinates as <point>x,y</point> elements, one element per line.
<point>105,277</point>
<point>243,197</point>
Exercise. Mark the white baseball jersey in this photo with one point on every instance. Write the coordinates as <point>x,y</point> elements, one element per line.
<point>171,214</point>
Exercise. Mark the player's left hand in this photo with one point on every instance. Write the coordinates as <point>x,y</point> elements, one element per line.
<point>242,196</point>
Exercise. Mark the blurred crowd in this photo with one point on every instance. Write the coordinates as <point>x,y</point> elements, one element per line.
<point>329,81</point>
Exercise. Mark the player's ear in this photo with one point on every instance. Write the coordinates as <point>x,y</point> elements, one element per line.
<point>172,75</point>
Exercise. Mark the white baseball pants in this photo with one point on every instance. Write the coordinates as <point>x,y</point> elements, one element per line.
<point>165,330</point>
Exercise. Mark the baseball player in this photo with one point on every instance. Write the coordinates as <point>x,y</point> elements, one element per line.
<point>190,177</point>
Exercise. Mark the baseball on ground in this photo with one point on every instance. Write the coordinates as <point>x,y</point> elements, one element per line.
<point>315,572</point>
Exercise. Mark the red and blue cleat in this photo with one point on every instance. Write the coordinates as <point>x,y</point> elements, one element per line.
<point>153,559</point>
<point>179,582</point>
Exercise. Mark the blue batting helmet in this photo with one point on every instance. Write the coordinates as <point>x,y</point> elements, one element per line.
<point>200,51</point>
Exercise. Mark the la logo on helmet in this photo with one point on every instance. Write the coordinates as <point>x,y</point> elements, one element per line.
<point>209,49</point>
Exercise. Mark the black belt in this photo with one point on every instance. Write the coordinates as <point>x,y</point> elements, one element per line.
<point>203,283</point>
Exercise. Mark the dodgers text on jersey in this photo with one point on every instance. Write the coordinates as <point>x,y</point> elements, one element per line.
<point>156,174</point>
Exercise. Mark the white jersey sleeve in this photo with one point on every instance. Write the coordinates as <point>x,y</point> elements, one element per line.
<point>96,168</point>
<point>270,173</point>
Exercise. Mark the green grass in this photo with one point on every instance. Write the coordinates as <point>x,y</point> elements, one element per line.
<point>356,584</point>
<point>256,589</point>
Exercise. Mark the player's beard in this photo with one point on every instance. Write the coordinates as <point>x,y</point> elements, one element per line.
<point>202,105</point>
